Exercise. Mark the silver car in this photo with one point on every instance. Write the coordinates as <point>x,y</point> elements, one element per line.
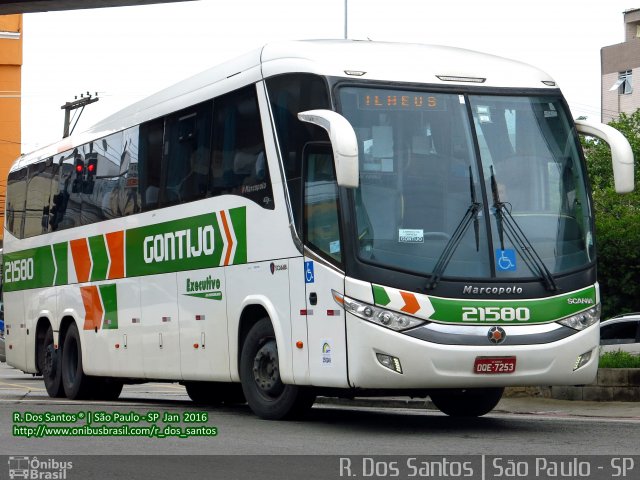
<point>621,333</point>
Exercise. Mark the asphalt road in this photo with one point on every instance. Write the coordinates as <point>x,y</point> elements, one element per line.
<point>335,430</point>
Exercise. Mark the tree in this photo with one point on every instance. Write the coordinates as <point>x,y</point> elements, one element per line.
<point>617,222</point>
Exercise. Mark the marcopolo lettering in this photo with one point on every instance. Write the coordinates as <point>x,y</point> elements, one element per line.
<point>179,244</point>
<point>511,290</point>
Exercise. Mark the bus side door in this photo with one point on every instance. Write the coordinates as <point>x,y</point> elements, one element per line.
<point>322,268</point>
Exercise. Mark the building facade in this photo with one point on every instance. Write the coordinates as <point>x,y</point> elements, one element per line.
<point>10,91</point>
<point>620,67</point>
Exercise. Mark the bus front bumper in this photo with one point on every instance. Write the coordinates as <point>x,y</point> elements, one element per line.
<point>414,363</point>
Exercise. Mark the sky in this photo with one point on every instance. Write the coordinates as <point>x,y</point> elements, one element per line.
<point>127,53</point>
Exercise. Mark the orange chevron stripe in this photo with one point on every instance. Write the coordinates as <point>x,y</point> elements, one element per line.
<point>81,259</point>
<point>92,307</point>
<point>411,304</point>
<point>115,244</point>
<point>227,234</point>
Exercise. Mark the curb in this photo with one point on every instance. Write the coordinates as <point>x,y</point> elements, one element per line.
<point>611,385</point>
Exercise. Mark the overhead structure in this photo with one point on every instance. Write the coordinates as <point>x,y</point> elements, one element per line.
<point>33,6</point>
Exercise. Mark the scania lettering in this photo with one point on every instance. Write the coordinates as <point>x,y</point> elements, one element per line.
<point>315,218</point>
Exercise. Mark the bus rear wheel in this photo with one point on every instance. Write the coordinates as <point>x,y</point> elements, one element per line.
<point>50,365</point>
<point>76,384</point>
<point>466,402</point>
<point>267,396</point>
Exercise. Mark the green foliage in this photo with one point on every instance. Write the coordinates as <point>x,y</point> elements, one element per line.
<point>619,359</point>
<point>617,222</point>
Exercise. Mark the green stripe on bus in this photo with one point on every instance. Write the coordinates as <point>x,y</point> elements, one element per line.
<point>380,296</point>
<point>109,296</point>
<point>537,311</point>
<point>99,257</point>
<point>61,254</point>
<point>239,222</point>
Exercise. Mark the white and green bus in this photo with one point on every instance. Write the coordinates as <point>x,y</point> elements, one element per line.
<point>315,218</point>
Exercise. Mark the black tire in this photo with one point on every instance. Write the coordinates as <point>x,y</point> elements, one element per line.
<point>50,365</point>
<point>215,393</point>
<point>76,384</point>
<point>267,396</point>
<point>106,388</point>
<point>467,402</point>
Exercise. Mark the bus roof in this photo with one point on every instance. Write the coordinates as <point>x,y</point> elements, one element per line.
<point>362,60</point>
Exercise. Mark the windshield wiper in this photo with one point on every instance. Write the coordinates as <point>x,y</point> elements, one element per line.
<point>470,215</point>
<point>507,225</point>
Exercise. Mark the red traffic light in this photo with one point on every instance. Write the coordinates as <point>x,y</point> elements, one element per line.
<point>79,168</point>
<point>91,167</point>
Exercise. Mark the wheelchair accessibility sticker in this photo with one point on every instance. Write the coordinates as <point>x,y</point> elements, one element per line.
<point>309,277</point>
<point>506,260</point>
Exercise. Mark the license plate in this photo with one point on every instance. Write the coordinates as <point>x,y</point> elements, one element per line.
<point>494,365</point>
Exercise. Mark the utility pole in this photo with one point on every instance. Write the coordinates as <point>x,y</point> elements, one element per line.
<point>77,103</point>
<point>346,22</point>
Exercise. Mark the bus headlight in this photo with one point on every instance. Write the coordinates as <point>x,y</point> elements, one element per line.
<point>380,316</point>
<point>582,320</point>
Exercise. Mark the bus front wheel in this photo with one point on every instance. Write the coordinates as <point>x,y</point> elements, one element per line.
<point>215,393</point>
<point>466,402</point>
<point>267,396</point>
<point>76,384</point>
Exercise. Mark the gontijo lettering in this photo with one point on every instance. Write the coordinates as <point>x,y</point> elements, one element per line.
<point>180,244</point>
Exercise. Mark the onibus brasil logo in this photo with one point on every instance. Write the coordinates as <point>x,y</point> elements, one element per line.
<point>35,468</point>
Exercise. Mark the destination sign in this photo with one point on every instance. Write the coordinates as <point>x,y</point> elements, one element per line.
<point>373,99</point>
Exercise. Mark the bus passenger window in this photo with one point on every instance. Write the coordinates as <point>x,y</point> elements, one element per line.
<point>187,154</point>
<point>239,162</point>
<point>38,186</point>
<point>16,201</point>
<point>150,163</point>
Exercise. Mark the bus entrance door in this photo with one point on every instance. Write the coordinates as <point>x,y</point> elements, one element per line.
<point>325,323</point>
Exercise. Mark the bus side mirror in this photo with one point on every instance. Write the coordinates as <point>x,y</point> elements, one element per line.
<point>343,142</point>
<point>621,153</point>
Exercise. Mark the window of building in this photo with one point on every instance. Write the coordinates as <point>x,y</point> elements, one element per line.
<point>625,82</point>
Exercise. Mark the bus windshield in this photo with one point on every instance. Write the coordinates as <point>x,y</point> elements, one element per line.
<point>474,186</point>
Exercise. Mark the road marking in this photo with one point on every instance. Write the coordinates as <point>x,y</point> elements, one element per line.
<point>22,386</point>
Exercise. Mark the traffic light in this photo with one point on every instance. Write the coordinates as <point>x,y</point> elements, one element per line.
<point>90,171</point>
<point>78,174</point>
